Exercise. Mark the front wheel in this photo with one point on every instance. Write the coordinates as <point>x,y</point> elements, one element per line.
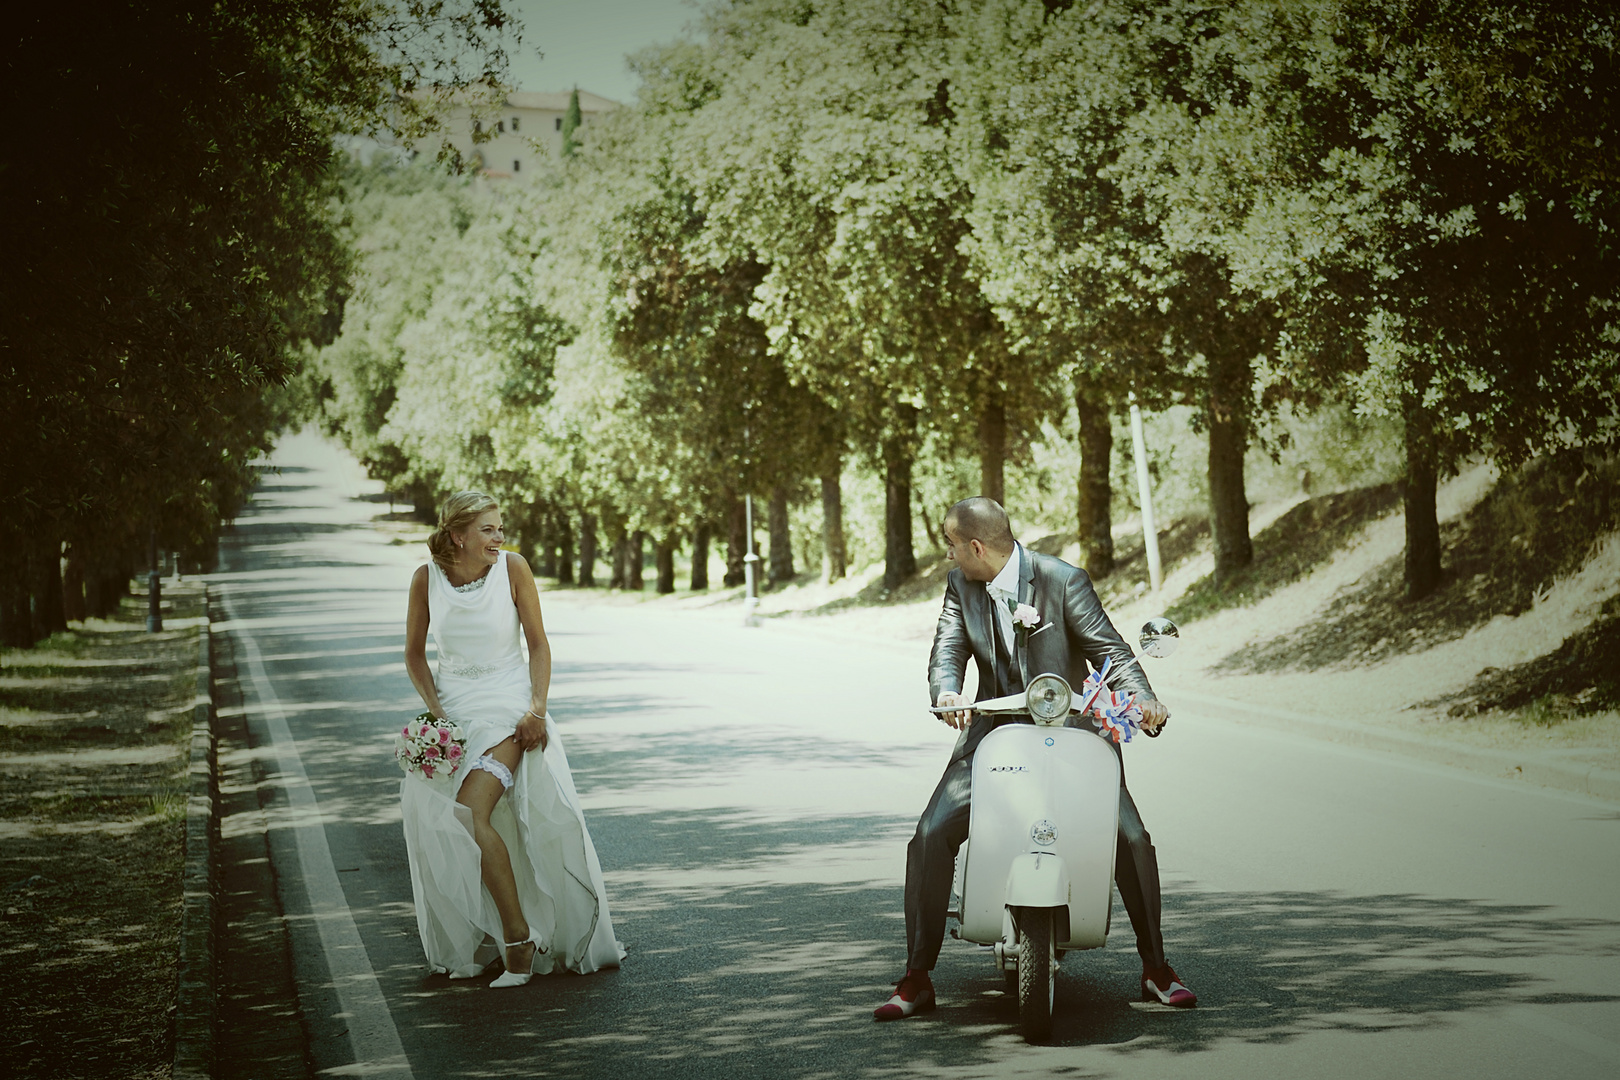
<point>1037,972</point>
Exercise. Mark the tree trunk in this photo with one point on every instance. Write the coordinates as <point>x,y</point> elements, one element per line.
<point>736,543</point>
<point>545,542</point>
<point>700,556</point>
<point>528,527</point>
<point>587,551</point>
<point>621,559</point>
<point>94,605</point>
<point>44,569</point>
<point>565,550</point>
<point>635,560</point>
<point>899,559</point>
<point>16,624</point>
<point>664,563</point>
<point>115,585</point>
<point>1227,416</point>
<point>781,537</point>
<point>834,561</point>
<point>103,589</point>
<point>1096,492</point>
<point>73,606</point>
<point>993,449</point>
<point>1423,568</point>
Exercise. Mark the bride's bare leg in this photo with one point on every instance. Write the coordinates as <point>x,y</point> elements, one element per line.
<point>479,792</point>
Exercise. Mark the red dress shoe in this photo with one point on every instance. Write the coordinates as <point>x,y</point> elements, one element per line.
<point>1165,987</point>
<point>912,994</point>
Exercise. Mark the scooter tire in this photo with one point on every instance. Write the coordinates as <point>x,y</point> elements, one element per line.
<point>1037,973</point>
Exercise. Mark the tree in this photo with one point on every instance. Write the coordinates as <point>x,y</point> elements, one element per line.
<point>1060,146</point>
<point>166,279</point>
<point>571,122</point>
<point>822,150</point>
<point>714,410</point>
<point>1428,194</point>
<point>406,226</point>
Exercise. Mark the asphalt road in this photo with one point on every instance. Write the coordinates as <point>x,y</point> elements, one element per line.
<point>750,791</point>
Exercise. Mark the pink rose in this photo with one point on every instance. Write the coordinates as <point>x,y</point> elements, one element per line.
<point>406,731</point>
<point>431,753</point>
<point>427,771</point>
<point>444,735</point>
<point>454,752</point>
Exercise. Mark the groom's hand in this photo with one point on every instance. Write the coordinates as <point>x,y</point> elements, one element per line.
<point>1154,716</point>
<point>957,720</point>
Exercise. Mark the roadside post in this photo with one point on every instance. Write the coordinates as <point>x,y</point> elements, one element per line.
<point>750,567</point>
<point>1150,534</point>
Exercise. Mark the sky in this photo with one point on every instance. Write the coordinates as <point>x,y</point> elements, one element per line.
<point>584,42</point>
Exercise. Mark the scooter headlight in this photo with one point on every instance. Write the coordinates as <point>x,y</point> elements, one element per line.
<point>1049,698</point>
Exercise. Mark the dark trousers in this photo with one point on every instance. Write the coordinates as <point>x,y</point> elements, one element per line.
<point>931,866</point>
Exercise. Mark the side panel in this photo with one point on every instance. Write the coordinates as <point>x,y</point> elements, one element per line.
<point>1023,775</point>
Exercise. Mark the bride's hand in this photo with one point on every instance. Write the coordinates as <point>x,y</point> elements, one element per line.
<point>531,731</point>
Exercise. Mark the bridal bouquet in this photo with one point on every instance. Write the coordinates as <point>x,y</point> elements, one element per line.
<point>430,746</point>
<point>1116,713</point>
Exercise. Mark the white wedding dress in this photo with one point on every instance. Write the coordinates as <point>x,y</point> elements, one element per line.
<point>483,683</point>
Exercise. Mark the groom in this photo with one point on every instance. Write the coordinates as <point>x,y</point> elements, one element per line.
<point>992,568</point>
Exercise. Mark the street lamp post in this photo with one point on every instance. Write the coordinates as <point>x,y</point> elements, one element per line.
<point>1150,534</point>
<point>750,567</point>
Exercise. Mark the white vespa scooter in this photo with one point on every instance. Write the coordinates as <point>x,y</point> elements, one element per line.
<point>1035,877</point>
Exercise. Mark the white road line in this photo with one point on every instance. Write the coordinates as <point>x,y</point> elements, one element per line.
<point>372,1036</point>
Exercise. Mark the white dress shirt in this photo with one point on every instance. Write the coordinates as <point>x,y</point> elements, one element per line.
<point>1002,585</point>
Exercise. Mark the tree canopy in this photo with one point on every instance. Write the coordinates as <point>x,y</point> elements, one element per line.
<point>170,246</point>
<point>875,248</point>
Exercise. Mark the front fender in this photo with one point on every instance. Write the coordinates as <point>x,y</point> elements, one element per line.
<point>1038,879</point>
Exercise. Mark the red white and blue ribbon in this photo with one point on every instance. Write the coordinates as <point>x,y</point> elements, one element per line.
<point>1115,712</point>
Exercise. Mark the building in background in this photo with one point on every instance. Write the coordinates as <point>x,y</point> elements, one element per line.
<point>526,131</point>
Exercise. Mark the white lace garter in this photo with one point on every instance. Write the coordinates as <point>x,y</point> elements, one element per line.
<point>495,769</point>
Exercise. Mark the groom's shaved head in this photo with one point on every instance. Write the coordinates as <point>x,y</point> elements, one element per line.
<point>981,518</point>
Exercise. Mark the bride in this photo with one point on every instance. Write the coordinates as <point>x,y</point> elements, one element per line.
<point>502,853</point>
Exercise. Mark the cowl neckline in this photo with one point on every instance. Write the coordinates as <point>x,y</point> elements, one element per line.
<point>470,597</point>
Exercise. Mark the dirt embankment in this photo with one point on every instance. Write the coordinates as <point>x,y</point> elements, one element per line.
<point>94,726</point>
<point>1520,648</point>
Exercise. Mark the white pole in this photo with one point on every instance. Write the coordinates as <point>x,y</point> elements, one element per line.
<point>750,566</point>
<point>1150,534</point>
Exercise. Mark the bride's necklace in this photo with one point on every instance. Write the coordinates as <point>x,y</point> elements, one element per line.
<point>473,585</point>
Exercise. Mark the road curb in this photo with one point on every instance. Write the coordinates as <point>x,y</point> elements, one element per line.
<point>1590,780</point>
<point>197,1004</point>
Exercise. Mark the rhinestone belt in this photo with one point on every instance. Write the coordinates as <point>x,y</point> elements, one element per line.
<point>476,671</point>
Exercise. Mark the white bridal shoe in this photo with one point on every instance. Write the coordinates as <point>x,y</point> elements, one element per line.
<point>519,978</point>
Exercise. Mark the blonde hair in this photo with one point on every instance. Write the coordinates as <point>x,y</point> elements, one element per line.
<point>460,510</point>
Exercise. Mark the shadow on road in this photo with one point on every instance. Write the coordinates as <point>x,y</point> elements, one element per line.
<point>760,938</point>
<point>779,981</point>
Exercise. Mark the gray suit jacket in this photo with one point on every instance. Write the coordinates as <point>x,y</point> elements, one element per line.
<point>1073,629</point>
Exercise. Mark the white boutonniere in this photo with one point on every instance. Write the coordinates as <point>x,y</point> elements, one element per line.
<point>1024,617</point>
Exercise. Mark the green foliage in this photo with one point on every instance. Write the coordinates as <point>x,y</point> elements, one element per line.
<point>842,237</point>
<point>182,252</point>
